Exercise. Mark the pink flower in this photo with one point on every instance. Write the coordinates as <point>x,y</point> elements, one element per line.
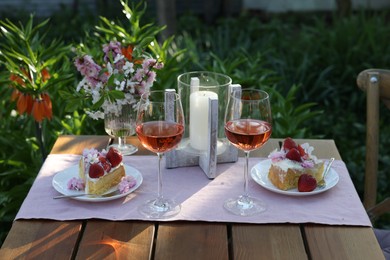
<point>76,184</point>
<point>139,75</point>
<point>158,66</point>
<point>147,64</point>
<point>151,78</point>
<point>111,50</point>
<point>307,164</point>
<point>140,88</point>
<point>277,155</point>
<point>89,69</point>
<point>126,184</point>
<point>122,69</point>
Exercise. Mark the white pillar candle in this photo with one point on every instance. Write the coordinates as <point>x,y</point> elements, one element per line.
<point>194,85</point>
<point>199,118</point>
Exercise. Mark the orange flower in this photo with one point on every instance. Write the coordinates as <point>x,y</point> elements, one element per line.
<point>128,52</point>
<point>42,108</point>
<point>48,111</point>
<point>29,104</point>
<point>45,75</point>
<point>24,104</point>
<point>16,79</point>
<point>38,110</point>
<point>15,95</point>
<point>21,105</point>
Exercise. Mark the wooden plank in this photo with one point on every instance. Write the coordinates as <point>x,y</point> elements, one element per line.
<point>116,240</point>
<point>190,240</point>
<point>342,242</point>
<point>75,144</point>
<point>41,239</point>
<point>282,241</point>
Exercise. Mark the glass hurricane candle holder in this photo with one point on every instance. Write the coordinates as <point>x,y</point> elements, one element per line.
<point>204,96</point>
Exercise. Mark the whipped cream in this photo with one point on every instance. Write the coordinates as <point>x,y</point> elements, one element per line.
<point>278,158</point>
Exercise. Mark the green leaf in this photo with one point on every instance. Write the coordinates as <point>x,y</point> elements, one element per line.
<point>116,94</point>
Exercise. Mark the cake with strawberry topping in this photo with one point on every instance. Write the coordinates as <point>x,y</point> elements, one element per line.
<point>291,162</point>
<point>101,170</point>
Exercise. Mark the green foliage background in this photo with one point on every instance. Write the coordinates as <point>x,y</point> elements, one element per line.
<point>308,63</point>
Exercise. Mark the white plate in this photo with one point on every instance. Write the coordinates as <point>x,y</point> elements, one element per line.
<point>60,182</point>
<point>259,174</point>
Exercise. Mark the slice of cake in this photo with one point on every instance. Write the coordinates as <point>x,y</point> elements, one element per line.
<point>290,162</point>
<point>101,171</point>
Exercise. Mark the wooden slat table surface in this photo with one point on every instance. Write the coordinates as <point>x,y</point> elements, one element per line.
<point>98,239</point>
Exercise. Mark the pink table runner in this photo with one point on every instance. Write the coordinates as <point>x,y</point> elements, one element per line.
<point>201,198</point>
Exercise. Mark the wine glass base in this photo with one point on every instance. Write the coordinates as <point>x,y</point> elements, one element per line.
<point>245,206</point>
<point>128,149</point>
<point>159,208</point>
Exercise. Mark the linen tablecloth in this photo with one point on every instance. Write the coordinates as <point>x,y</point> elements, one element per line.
<point>201,198</point>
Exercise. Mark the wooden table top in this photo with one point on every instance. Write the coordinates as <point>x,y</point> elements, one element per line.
<point>97,239</point>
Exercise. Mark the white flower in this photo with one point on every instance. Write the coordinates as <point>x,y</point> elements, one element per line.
<point>95,115</point>
<point>128,67</point>
<point>82,84</point>
<point>308,149</point>
<point>118,57</point>
<point>109,69</point>
<point>92,157</point>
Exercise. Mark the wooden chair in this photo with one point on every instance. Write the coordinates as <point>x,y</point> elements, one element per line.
<point>376,83</point>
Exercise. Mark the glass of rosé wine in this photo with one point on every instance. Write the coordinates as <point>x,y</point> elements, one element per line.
<point>160,127</point>
<point>248,126</point>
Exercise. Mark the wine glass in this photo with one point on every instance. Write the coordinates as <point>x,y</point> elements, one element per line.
<point>160,127</point>
<point>121,126</point>
<point>248,126</point>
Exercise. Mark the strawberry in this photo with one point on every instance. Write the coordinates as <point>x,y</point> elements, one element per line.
<point>96,170</point>
<point>306,183</point>
<point>105,163</point>
<point>294,155</point>
<point>301,150</point>
<point>289,143</point>
<point>107,167</point>
<point>102,159</point>
<point>114,157</point>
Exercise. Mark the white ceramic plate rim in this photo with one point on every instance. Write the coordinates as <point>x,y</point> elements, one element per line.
<point>259,174</point>
<point>60,182</point>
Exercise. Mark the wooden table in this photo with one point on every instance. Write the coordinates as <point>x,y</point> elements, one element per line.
<point>97,239</point>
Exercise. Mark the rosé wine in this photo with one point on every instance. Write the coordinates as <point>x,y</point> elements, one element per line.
<point>159,136</point>
<point>248,134</point>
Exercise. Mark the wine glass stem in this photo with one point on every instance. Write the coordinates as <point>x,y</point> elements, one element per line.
<point>159,180</point>
<point>246,173</point>
<point>121,141</point>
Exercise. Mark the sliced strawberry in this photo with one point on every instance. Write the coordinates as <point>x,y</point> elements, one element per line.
<point>289,143</point>
<point>301,150</point>
<point>96,170</point>
<point>294,155</point>
<point>114,157</point>
<point>107,166</point>
<point>105,163</point>
<point>102,159</point>
<point>306,183</point>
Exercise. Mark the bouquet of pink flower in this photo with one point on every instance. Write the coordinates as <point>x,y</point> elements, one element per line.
<point>121,78</point>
